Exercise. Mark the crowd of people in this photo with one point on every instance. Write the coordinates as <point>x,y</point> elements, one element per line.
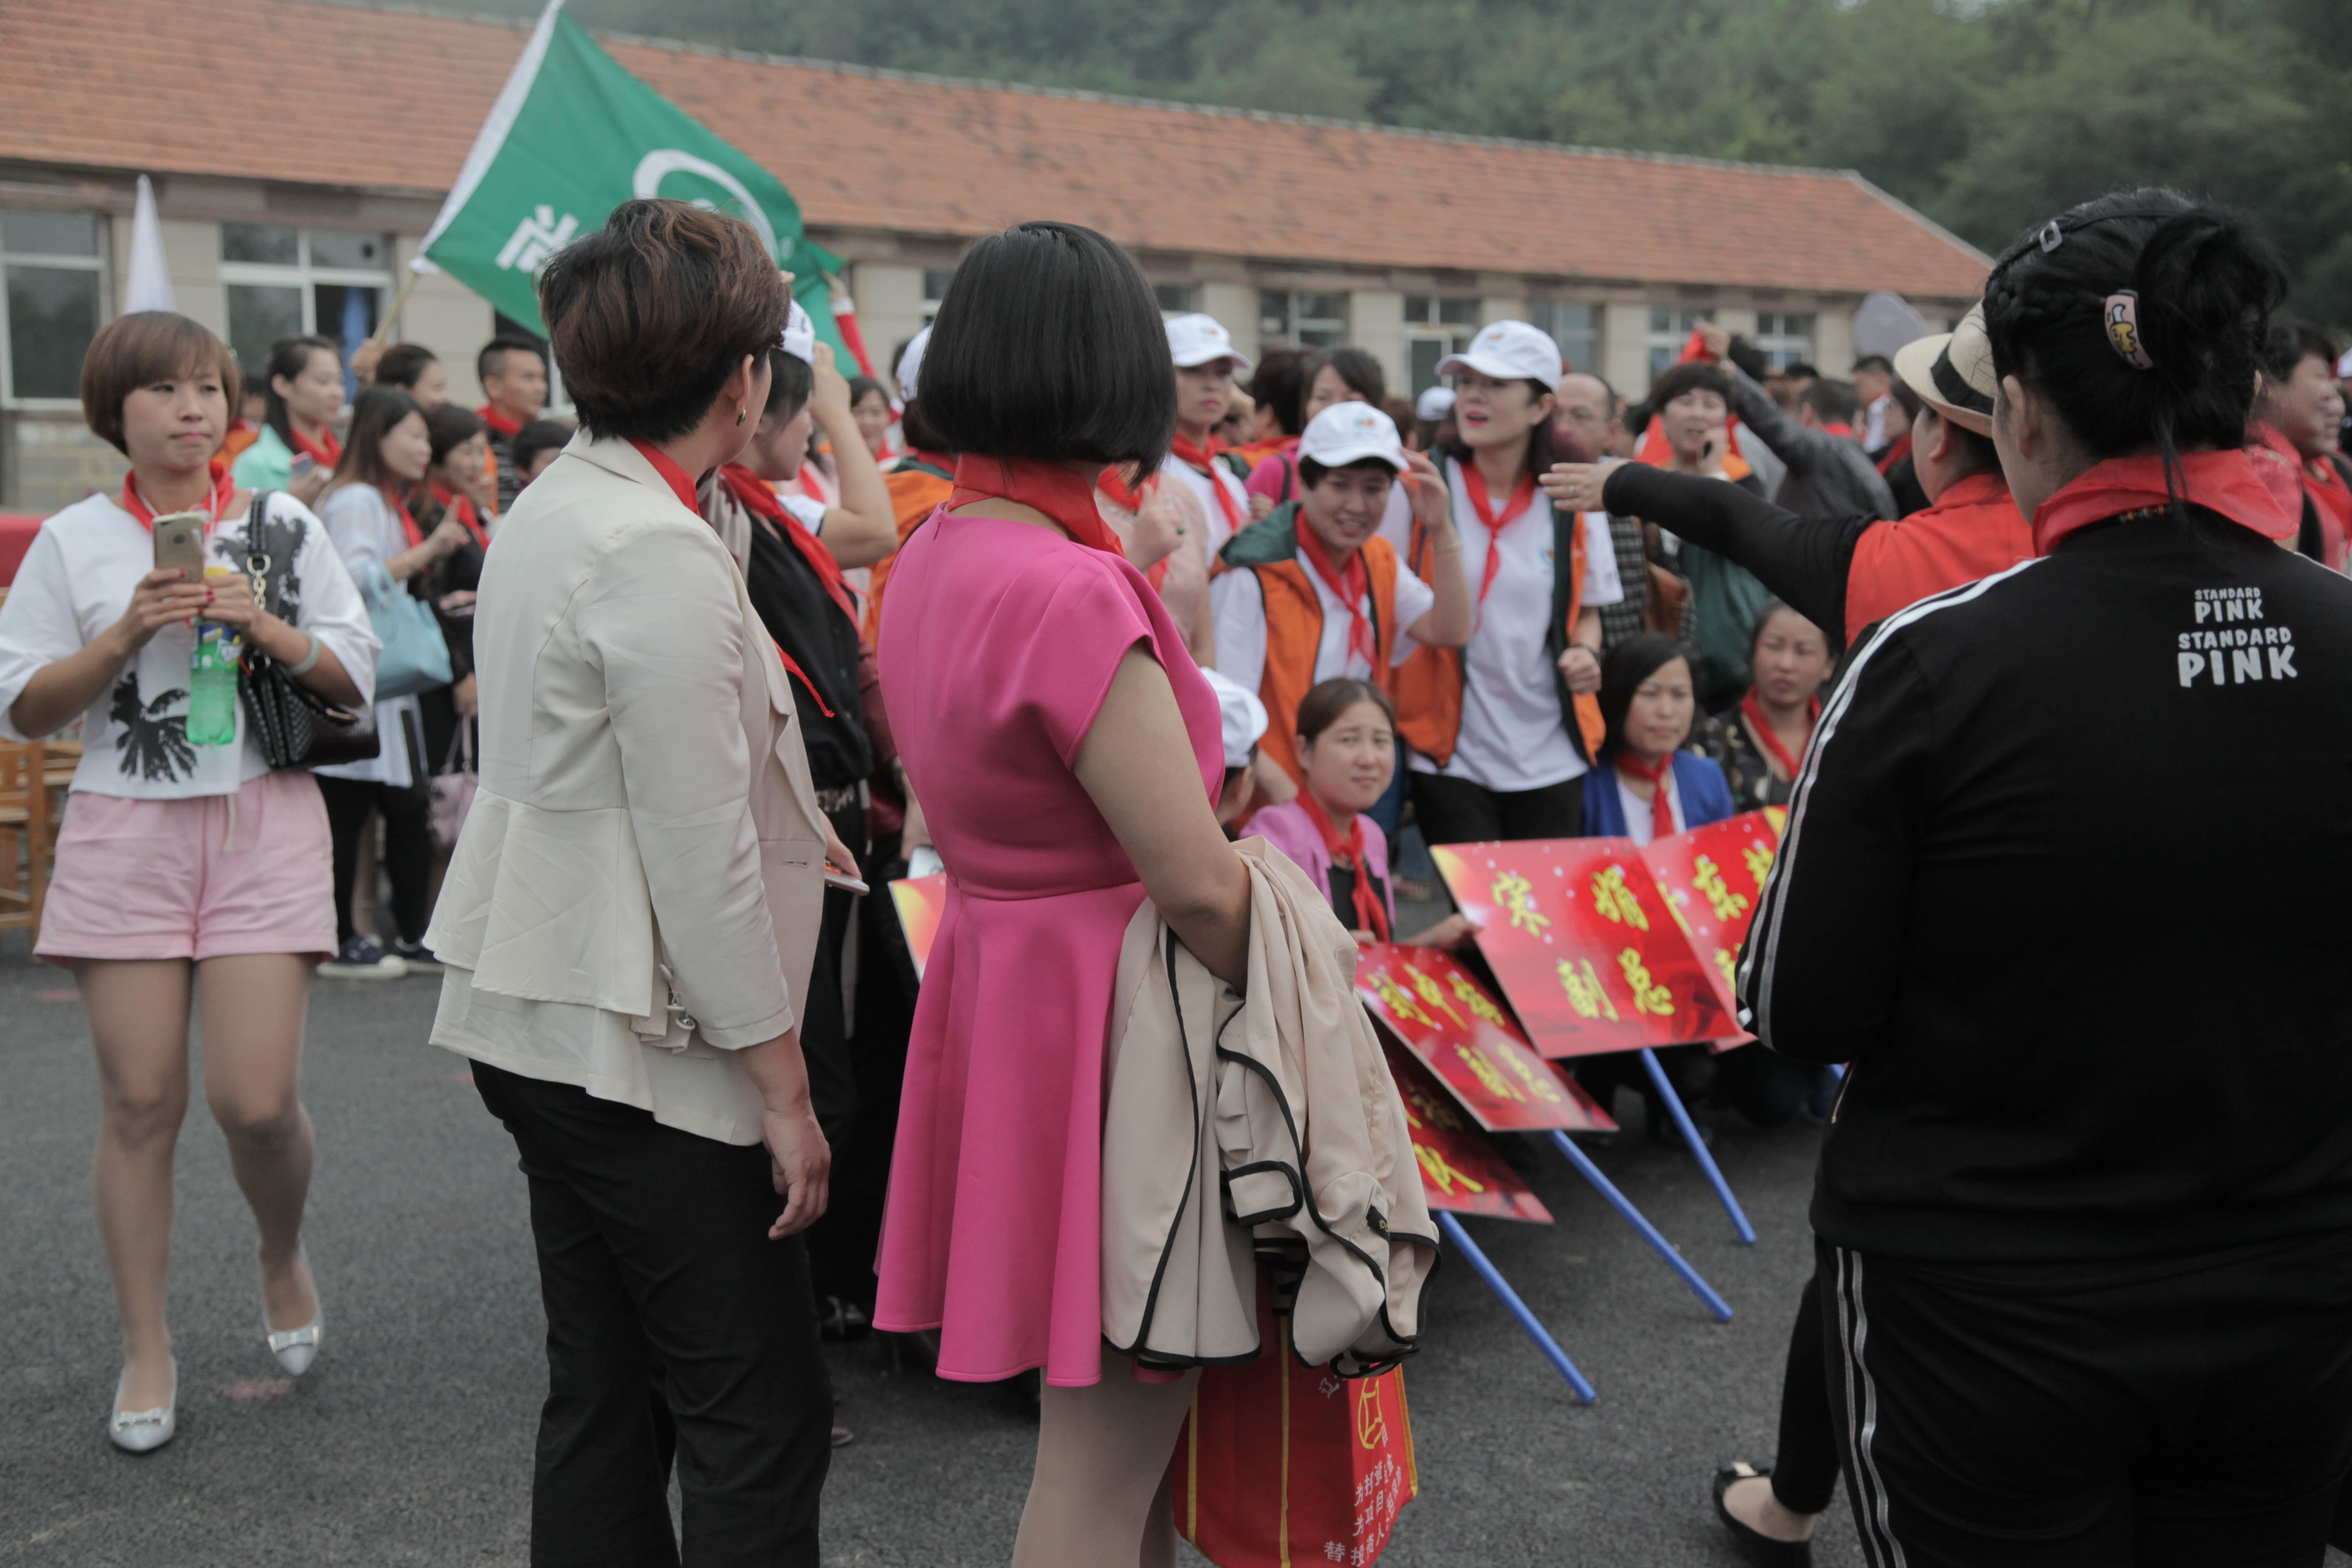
<point>631,715</point>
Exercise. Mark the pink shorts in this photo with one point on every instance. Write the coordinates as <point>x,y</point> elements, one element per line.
<point>194,878</point>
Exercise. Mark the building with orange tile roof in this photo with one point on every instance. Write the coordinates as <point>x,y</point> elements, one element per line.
<point>301,148</point>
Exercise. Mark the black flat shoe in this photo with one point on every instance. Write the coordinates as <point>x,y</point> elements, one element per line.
<point>1756,1548</point>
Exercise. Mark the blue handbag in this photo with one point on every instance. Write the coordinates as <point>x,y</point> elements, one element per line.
<point>416,656</point>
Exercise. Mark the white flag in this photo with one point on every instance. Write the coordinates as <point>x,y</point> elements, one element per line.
<point>149,286</point>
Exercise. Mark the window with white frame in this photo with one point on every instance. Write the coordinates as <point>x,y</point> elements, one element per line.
<point>1670,328</point>
<point>1436,325</point>
<point>1177,298</point>
<point>1785,338</point>
<point>284,281</point>
<point>1301,319</point>
<point>935,288</point>
<point>54,265</point>
<point>1575,328</point>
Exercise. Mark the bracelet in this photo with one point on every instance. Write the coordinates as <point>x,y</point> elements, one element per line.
<point>309,660</point>
<point>1453,545</point>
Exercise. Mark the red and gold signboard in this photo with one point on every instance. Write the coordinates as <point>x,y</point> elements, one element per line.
<point>1582,938</point>
<point>922,901</point>
<point>1430,1001</point>
<point>1713,878</point>
<point>1459,1168</point>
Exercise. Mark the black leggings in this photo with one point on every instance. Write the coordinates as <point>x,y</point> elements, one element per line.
<point>1805,1470</point>
<point>1455,810</point>
<point>407,848</point>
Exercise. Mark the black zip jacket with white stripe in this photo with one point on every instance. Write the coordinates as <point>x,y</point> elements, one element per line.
<point>2068,880</point>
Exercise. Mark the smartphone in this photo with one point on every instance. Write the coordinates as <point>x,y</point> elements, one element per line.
<point>302,467</point>
<point>844,881</point>
<point>180,542</point>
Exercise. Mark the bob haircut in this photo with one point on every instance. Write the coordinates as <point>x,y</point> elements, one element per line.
<point>1681,380</point>
<point>538,436</point>
<point>1279,383</point>
<point>450,428</point>
<point>373,414</point>
<point>1355,366</point>
<point>792,382</point>
<point>1323,705</point>
<point>1629,664</point>
<point>1049,345</point>
<point>401,363</point>
<point>2206,283</point>
<point>140,350</point>
<point>651,314</point>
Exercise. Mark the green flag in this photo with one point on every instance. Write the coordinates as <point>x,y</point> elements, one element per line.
<point>572,136</point>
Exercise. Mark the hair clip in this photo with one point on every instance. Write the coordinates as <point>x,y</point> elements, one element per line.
<point>2051,237</point>
<point>2120,316</point>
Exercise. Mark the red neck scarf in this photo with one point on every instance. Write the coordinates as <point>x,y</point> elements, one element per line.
<point>1348,854</point>
<point>1203,460</point>
<point>1895,454</point>
<point>1348,587</point>
<point>2223,482</point>
<point>325,451</point>
<point>761,500</point>
<point>1474,484</point>
<point>1662,779</point>
<point>399,505</point>
<point>681,483</point>
<point>1839,427</point>
<point>462,509</point>
<point>1754,710</point>
<point>1049,487</point>
<point>213,504</point>
<point>498,421</point>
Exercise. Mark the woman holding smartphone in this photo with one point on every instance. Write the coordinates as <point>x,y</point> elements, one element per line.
<point>184,870</point>
<point>297,449</point>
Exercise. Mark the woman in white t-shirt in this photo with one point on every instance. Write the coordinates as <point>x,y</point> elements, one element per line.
<point>183,868</point>
<point>1503,732</point>
<point>386,454</point>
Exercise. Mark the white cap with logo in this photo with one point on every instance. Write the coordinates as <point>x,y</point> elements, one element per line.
<point>800,335</point>
<point>1240,715</point>
<point>910,363</point>
<point>1434,403</point>
<point>1508,351</point>
<point>1196,339</point>
<point>1348,433</point>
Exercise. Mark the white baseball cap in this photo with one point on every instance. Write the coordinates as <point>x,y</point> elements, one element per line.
<point>1348,433</point>
<point>2343,365</point>
<point>1434,403</point>
<point>1240,715</point>
<point>1197,338</point>
<point>1508,351</point>
<point>800,335</point>
<point>910,363</point>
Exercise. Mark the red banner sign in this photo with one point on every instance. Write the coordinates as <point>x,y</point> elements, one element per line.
<point>922,901</point>
<point>1459,1168</point>
<point>1714,881</point>
<point>1585,944</point>
<point>1438,1009</point>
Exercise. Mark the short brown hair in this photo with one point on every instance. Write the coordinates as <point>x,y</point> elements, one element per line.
<point>1322,706</point>
<point>649,315</point>
<point>137,350</point>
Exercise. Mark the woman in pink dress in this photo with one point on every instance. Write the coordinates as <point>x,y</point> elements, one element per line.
<point>1067,752</point>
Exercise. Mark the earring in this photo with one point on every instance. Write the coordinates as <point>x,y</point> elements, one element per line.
<point>739,417</point>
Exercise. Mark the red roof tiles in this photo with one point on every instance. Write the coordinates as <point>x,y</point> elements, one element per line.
<point>341,95</point>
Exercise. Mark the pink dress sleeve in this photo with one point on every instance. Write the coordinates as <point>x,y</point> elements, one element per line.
<point>1076,637</point>
<point>1266,479</point>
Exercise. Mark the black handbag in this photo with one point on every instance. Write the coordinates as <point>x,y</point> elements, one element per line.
<point>294,726</point>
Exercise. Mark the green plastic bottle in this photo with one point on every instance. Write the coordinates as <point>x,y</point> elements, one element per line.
<point>211,678</point>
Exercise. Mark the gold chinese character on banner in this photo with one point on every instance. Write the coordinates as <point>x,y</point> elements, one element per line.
<point>1707,877</point>
<point>1430,991</point>
<point>1649,996</point>
<point>1470,997</point>
<point>1583,988</point>
<point>1442,1174</point>
<point>1398,1000</point>
<point>1760,862</point>
<point>1538,1077</point>
<point>1614,898</point>
<point>1728,962</point>
<point>1484,1069</point>
<point>1427,1109</point>
<point>1512,891</point>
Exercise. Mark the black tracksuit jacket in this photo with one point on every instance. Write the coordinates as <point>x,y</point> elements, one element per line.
<point>2067,879</point>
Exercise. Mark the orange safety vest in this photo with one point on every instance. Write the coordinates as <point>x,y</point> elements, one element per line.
<point>1428,686</point>
<point>1294,621</point>
<point>918,487</point>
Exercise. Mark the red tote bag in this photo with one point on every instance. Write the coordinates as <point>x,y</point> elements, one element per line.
<point>1281,1464</point>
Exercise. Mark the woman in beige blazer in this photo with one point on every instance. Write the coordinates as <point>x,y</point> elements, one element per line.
<point>629,918</point>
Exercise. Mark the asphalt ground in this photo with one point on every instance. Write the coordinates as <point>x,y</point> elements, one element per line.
<point>410,1441</point>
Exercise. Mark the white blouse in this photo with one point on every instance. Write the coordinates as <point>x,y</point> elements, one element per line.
<point>367,534</point>
<point>76,580</point>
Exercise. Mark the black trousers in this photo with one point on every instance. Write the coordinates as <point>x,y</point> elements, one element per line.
<point>674,1328</point>
<point>1455,810</point>
<point>2188,1415</point>
<point>1805,1469</point>
<point>407,848</point>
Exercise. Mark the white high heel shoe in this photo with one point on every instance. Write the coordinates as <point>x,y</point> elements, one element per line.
<point>296,1349</point>
<point>143,1431</point>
